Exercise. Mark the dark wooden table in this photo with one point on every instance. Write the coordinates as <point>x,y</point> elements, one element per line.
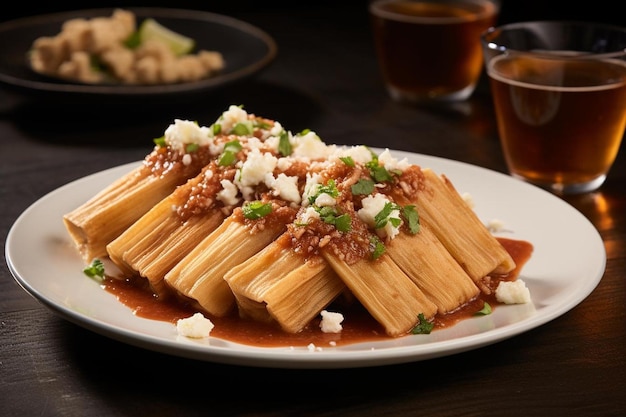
<point>324,78</point>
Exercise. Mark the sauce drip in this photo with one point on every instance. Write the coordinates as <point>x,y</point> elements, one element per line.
<point>358,325</point>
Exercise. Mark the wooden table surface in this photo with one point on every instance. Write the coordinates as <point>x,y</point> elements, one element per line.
<point>324,78</point>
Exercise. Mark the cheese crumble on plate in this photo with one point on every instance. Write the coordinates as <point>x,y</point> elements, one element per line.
<point>196,326</point>
<point>513,292</point>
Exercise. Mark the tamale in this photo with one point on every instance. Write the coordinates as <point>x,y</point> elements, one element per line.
<point>427,262</point>
<point>200,274</point>
<point>456,225</point>
<point>388,294</point>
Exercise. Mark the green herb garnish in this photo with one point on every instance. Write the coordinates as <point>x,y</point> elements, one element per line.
<point>160,142</point>
<point>343,223</point>
<point>381,219</point>
<point>95,270</point>
<point>242,128</point>
<point>363,187</point>
<point>284,145</point>
<point>485,311</point>
<point>254,210</point>
<point>191,147</point>
<point>423,326</point>
<point>330,188</point>
<point>348,161</point>
<point>412,218</point>
<point>229,155</point>
<point>378,247</point>
<point>377,172</point>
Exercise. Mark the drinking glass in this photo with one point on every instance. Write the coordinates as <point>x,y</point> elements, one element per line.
<point>559,91</point>
<point>429,50</point>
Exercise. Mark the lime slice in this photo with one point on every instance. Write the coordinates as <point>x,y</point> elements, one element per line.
<point>179,44</point>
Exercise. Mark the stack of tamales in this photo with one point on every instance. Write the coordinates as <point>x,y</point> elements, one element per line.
<point>276,226</point>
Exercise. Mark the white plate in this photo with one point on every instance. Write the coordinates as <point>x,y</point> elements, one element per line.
<point>567,264</point>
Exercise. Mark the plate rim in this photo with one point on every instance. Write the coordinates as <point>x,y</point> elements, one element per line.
<point>280,357</point>
<point>41,85</point>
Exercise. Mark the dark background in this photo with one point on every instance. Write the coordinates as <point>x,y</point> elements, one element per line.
<point>606,11</point>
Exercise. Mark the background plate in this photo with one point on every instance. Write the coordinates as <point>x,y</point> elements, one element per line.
<point>567,264</point>
<point>246,50</point>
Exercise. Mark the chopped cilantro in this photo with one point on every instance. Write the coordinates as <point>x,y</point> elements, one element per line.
<point>254,210</point>
<point>227,158</point>
<point>343,223</point>
<point>229,155</point>
<point>348,161</point>
<point>380,173</point>
<point>381,219</point>
<point>485,311</point>
<point>233,146</point>
<point>284,145</point>
<point>242,128</point>
<point>191,147</point>
<point>378,247</point>
<point>160,142</point>
<point>412,218</point>
<point>95,270</point>
<point>330,188</point>
<point>329,215</point>
<point>363,187</point>
<point>423,326</point>
<point>377,172</point>
<point>261,124</point>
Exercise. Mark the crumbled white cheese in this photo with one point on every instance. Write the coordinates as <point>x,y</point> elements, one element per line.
<point>228,193</point>
<point>325,200</point>
<point>374,204</point>
<point>495,225</point>
<point>390,163</point>
<point>360,154</point>
<point>196,326</point>
<point>312,348</point>
<point>331,322</point>
<point>311,146</point>
<point>307,215</point>
<point>284,186</point>
<point>513,292</point>
<point>231,117</point>
<point>255,143</point>
<point>311,186</point>
<point>184,132</point>
<point>255,167</point>
<point>469,200</point>
<point>284,163</point>
<point>276,130</point>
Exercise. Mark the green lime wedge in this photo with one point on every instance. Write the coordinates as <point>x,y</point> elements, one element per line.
<point>179,44</point>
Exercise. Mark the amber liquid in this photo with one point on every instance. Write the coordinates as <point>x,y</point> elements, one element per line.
<point>430,49</point>
<point>560,122</point>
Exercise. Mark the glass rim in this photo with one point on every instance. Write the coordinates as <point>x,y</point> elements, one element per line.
<point>400,17</point>
<point>491,43</point>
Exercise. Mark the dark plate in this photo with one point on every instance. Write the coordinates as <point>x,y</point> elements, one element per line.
<point>246,50</point>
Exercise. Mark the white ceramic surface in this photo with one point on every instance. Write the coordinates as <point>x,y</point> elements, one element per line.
<point>567,264</point>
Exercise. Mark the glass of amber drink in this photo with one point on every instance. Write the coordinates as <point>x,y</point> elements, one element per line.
<point>429,50</point>
<point>559,91</point>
